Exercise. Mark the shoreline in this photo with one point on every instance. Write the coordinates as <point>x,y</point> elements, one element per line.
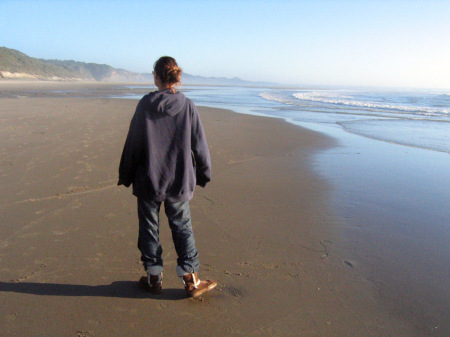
<point>277,238</point>
<point>396,228</point>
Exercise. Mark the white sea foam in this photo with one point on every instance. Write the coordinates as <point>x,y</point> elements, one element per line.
<point>363,101</point>
<point>419,119</point>
<point>347,100</point>
<point>275,97</point>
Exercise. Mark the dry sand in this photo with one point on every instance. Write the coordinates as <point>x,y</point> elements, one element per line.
<point>264,228</point>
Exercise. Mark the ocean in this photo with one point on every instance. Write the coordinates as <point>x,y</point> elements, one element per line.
<point>410,117</point>
<point>407,117</point>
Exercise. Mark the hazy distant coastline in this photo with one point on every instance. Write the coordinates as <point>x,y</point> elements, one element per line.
<point>17,65</point>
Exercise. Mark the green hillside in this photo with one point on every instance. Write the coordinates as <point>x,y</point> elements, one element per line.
<point>14,61</point>
<point>14,64</point>
<point>21,65</point>
<point>99,72</point>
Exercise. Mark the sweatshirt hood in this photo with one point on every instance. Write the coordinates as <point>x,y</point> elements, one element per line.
<point>165,101</point>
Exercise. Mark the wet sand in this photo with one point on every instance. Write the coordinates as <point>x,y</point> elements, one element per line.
<point>394,200</point>
<point>265,228</point>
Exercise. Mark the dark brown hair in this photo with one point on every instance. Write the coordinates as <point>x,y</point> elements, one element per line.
<point>167,70</point>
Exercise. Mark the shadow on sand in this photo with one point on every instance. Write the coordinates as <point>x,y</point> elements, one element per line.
<point>119,289</point>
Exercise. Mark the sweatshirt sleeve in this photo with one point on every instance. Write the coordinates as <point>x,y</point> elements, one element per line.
<point>200,150</point>
<point>133,148</point>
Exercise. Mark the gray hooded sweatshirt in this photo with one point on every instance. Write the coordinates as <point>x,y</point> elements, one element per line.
<point>165,153</point>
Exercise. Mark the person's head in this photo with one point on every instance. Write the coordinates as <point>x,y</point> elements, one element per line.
<point>167,73</point>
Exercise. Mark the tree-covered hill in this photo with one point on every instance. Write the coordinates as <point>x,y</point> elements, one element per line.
<point>14,64</point>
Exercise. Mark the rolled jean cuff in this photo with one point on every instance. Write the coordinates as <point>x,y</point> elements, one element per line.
<point>154,270</point>
<point>181,271</point>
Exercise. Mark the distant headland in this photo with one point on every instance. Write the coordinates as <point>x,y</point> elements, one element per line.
<point>17,65</point>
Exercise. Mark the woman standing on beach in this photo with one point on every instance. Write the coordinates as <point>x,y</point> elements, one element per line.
<point>164,157</point>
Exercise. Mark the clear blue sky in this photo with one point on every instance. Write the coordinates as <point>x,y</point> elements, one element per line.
<point>360,42</point>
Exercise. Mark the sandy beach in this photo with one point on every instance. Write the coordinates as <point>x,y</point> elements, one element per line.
<point>265,228</point>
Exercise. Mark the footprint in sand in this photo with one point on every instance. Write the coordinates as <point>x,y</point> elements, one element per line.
<point>85,334</point>
<point>349,264</point>
<point>11,317</point>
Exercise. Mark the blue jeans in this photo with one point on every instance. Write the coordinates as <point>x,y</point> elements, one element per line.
<point>179,216</point>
